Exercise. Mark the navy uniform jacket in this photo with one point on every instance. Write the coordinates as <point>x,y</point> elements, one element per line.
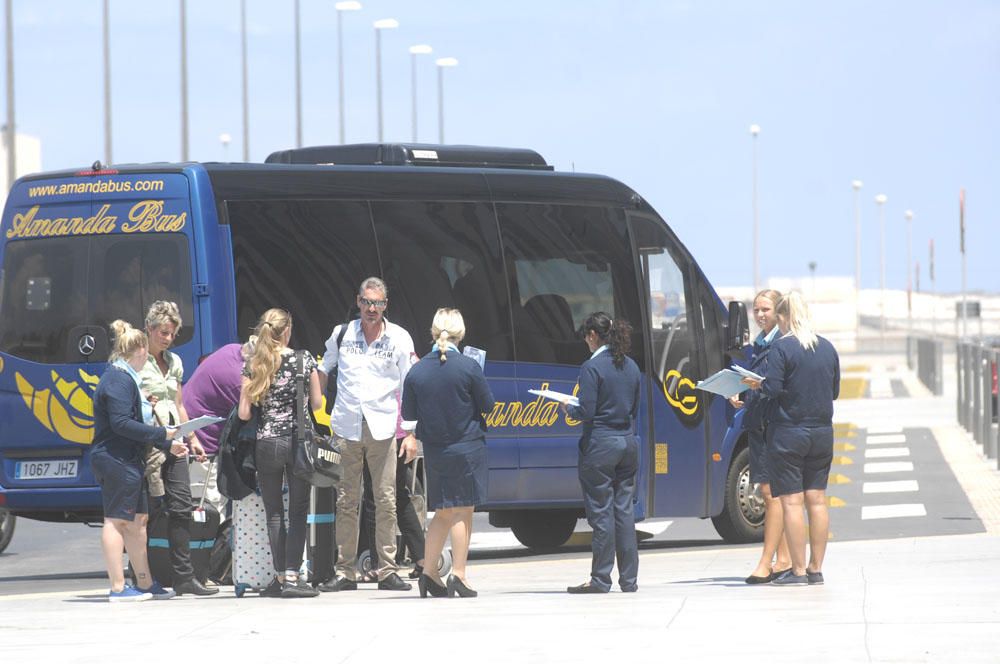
<point>800,383</point>
<point>118,425</point>
<point>609,396</point>
<point>755,403</point>
<point>447,399</point>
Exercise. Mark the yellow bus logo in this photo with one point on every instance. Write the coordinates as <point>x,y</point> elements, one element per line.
<point>65,408</point>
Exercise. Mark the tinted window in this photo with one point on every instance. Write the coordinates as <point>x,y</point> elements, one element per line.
<point>307,257</point>
<point>47,282</point>
<point>42,297</point>
<point>129,273</point>
<point>564,263</point>
<point>444,255</point>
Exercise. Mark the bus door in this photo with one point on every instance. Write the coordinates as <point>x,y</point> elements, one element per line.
<point>678,446</point>
<point>564,262</point>
<point>447,254</point>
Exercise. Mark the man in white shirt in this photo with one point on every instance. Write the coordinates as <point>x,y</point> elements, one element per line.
<point>372,361</point>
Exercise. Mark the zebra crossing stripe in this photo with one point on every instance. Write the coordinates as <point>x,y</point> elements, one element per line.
<point>892,511</point>
<point>898,486</point>
<point>889,467</point>
<point>887,452</point>
<point>892,439</point>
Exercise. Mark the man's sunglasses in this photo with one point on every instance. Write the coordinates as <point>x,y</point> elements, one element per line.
<point>378,304</point>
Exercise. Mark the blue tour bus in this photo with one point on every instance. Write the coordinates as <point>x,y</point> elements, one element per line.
<point>525,252</point>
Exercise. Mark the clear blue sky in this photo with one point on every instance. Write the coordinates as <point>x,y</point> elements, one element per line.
<point>660,94</point>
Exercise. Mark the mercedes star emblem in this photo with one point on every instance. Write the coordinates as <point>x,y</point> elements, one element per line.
<point>86,344</point>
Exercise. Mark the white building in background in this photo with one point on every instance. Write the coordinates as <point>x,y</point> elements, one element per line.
<point>29,160</point>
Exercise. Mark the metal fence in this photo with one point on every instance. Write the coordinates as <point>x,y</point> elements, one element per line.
<point>977,393</point>
<point>926,356</point>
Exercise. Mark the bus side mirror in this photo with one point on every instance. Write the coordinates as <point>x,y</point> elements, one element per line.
<point>738,328</point>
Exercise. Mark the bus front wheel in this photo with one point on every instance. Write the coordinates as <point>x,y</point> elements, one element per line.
<point>543,530</point>
<point>7,523</point>
<point>742,517</point>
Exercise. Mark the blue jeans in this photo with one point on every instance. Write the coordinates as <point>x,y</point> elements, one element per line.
<point>608,467</point>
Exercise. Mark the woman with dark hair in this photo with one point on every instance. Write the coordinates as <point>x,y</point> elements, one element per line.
<point>609,451</point>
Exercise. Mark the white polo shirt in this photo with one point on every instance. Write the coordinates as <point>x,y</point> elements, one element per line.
<point>368,378</point>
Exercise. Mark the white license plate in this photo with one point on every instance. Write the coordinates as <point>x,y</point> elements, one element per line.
<point>45,470</point>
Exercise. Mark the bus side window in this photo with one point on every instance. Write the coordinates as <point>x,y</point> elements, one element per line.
<point>444,254</point>
<point>306,256</point>
<point>564,263</point>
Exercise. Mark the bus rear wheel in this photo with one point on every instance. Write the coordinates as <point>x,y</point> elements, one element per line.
<point>7,523</point>
<point>742,517</point>
<point>543,530</point>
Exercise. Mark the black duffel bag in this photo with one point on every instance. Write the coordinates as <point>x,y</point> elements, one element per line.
<point>317,458</point>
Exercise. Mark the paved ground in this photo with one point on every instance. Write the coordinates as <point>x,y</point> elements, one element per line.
<point>894,594</point>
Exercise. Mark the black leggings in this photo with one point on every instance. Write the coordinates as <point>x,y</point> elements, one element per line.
<point>275,458</point>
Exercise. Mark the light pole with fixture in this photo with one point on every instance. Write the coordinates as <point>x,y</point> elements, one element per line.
<point>380,25</point>
<point>441,64</point>
<point>856,186</point>
<point>754,131</point>
<point>419,49</point>
<point>341,7</point>
<point>880,200</point>
<point>909,272</point>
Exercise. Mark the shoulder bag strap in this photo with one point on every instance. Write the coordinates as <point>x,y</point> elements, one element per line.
<point>299,391</point>
<point>340,338</point>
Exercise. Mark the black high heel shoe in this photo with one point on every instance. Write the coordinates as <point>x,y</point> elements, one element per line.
<point>457,587</point>
<point>428,585</point>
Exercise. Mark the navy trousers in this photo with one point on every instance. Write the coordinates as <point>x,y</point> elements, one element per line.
<point>608,467</point>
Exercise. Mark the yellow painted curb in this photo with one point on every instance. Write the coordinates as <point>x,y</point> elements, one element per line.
<point>842,461</point>
<point>843,447</point>
<point>837,478</point>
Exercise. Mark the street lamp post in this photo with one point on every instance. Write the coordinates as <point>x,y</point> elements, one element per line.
<point>880,201</point>
<point>107,83</point>
<point>856,186</point>
<point>184,85</point>
<point>909,272</point>
<point>341,7</point>
<point>246,91</point>
<point>298,76</point>
<point>380,25</point>
<point>11,128</point>
<point>754,130</point>
<point>419,49</point>
<point>441,64</point>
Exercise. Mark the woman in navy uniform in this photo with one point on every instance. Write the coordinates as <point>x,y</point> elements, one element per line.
<point>802,380</point>
<point>447,394</point>
<point>755,405</point>
<point>609,451</point>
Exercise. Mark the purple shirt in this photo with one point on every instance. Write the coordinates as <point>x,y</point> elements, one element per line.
<point>213,390</point>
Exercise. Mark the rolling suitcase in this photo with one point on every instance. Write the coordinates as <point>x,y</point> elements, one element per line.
<point>204,528</point>
<point>253,566</point>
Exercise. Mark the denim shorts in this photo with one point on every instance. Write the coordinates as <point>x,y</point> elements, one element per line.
<point>123,490</point>
<point>798,458</point>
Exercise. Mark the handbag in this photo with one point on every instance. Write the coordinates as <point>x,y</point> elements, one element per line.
<point>317,458</point>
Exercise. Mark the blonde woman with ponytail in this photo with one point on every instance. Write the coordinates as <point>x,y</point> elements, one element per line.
<point>765,306</point>
<point>269,384</point>
<point>447,394</point>
<point>801,382</point>
<point>117,461</point>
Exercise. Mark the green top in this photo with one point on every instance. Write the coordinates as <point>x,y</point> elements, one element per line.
<point>163,386</point>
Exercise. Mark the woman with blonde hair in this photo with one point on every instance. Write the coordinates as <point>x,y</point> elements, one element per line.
<point>116,459</point>
<point>447,393</point>
<point>169,476</point>
<point>801,382</point>
<point>269,383</point>
<point>755,406</point>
